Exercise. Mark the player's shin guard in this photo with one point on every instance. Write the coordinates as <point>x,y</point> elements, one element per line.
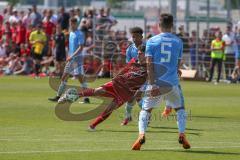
<point>143,121</point>
<point>61,88</point>
<point>181,120</point>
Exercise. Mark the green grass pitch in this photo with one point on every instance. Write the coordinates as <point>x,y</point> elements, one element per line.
<point>30,130</point>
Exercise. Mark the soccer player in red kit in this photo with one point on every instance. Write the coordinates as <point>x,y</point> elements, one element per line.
<point>123,87</point>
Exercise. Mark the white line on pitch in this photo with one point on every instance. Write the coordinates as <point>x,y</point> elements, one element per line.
<point>121,140</point>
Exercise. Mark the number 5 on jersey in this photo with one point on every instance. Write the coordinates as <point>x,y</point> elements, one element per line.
<point>166,53</point>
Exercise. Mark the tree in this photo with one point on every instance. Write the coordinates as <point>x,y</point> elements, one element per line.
<point>114,3</point>
<point>13,2</point>
<point>235,4</point>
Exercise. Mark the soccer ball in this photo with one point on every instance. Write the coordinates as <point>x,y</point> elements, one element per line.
<point>71,95</point>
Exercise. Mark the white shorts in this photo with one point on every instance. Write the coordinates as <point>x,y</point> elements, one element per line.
<point>74,67</point>
<point>173,98</point>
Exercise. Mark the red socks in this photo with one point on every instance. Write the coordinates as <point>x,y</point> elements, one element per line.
<point>100,119</point>
<point>87,92</point>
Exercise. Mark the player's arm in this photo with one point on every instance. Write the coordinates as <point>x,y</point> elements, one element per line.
<point>150,70</point>
<point>79,49</point>
<point>128,54</point>
<point>139,93</point>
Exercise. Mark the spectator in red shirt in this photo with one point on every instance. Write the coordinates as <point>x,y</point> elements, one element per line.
<point>14,32</point>
<point>49,27</point>
<point>24,50</point>
<point>21,33</point>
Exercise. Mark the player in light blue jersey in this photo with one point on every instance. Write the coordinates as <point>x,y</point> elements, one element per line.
<point>74,64</point>
<point>132,52</point>
<point>163,56</point>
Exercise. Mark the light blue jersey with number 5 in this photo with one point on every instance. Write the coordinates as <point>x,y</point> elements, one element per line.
<point>165,50</point>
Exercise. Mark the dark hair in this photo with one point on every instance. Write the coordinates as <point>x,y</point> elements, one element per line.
<point>142,48</point>
<point>166,20</point>
<point>73,20</point>
<point>136,30</point>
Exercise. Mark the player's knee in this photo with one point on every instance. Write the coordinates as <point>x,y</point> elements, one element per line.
<point>181,114</point>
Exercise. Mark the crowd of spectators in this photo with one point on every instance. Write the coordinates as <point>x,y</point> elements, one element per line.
<point>198,49</point>
<point>34,37</point>
<point>24,35</point>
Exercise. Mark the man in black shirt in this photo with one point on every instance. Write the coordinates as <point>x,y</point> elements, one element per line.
<point>63,18</point>
<point>59,49</point>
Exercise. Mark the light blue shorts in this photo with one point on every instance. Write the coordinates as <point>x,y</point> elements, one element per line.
<point>74,66</point>
<point>173,98</point>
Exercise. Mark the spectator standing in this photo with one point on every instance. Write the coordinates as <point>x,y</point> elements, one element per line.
<point>37,39</point>
<point>229,41</point>
<point>35,16</point>
<point>14,18</point>
<point>27,19</point>
<point>21,33</point>
<point>59,50</point>
<point>63,19</point>
<point>193,44</point>
<point>217,55</point>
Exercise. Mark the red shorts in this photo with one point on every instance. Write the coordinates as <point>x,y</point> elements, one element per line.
<point>111,93</point>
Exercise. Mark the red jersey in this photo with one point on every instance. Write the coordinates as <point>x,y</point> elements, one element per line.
<point>25,51</point>
<point>49,28</point>
<point>14,34</point>
<point>21,34</point>
<point>129,80</point>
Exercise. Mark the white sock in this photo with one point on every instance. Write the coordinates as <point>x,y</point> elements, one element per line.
<point>61,88</point>
<point>143,121</point>
<point>181,120</point>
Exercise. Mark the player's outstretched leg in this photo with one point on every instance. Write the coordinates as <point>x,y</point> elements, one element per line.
<point>142,126</point>
<point>181,122</point>
<point>103,116</point>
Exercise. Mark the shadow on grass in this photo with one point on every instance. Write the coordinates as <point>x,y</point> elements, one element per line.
<point>193,151</point>
<point>190,129</point>
<point>129,131</point>
<point>207,117</point>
